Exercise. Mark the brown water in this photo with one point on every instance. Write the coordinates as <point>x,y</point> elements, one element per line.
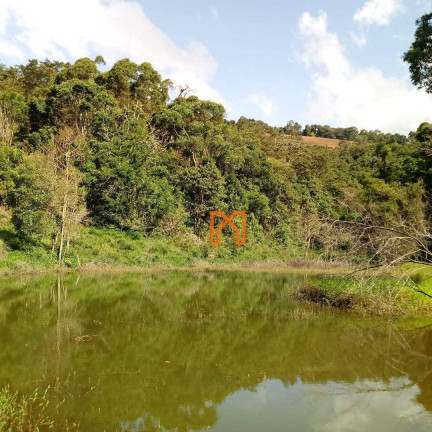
<point>220,352</point>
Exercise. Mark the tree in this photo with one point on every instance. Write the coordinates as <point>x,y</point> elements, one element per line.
<point>186,117</point>
<point>13,113</point>
<point>138,87</point>
<point>67,197</point>
<point>423,155</point>
<point>204,191</point>
<point>76,103</point>
<point>350,134</point>
<point>30,197</point>
<point>36,78</point>
<point>128,184</point>
<point>419,56</point>
<point>10,158</point>
<point>7,120</point>
<point>43,191</point>
<point>83,69</point>
<point>292,128</point>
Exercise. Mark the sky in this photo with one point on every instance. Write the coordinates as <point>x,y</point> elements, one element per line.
<point>333,62</point>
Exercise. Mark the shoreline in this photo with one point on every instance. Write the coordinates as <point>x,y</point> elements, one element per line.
<point>255,267</point>
<point>333,285</point>
<point>293,266</point>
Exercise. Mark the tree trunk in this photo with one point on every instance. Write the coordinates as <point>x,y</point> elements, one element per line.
<point>64,209</point>
<point>62,228</point>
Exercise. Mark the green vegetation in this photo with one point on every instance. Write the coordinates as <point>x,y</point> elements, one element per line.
<point>418,56</point>
<point>102,168</point>
<point>24,413</point>
<point>109,248</point>
<point>381,296</point>
<point>352,134</point>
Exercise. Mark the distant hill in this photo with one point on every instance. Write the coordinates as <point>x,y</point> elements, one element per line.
<point>325,142</point>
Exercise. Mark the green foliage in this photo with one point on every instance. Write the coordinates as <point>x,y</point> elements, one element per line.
<point>419,55</point>
<point>137,85</point>
<point>76,103</point>
<point>127,182</point>
<point>24,413</point>
<point>30,198</point>
<point>353,134</point>
<point>140,163</point>
<point>292,128</point>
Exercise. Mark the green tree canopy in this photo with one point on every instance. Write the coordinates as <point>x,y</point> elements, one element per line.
<point>419,56</point>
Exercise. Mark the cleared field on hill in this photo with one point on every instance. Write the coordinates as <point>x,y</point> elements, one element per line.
<point>325,142</point>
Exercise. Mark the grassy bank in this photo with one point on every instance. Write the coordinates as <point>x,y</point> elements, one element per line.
<point>379,294</point>
<point>113,250</point>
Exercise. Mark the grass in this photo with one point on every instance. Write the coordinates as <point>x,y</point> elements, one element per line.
<point>324,142</point>
<point>24,413</point>
<point>113,250</point>
<point>382,296</point>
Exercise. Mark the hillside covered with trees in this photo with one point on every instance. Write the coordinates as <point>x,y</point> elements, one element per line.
<point>86,152</point>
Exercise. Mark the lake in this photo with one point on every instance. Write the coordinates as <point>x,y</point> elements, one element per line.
<point>222,352</point>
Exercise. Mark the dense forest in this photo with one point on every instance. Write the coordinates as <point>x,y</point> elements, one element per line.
<point>84,147</point>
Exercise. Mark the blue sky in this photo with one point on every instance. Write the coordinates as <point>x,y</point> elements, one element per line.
<point>330,61</point>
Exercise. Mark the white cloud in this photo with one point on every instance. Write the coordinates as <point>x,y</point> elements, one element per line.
<point>359,39</point>
<point>264,103</point>
<point>377,12</point>
<point>361,406</point>
<point>320,47</point>
<point>10,50</point>
<point>59,29</point>
<point>346,95</point>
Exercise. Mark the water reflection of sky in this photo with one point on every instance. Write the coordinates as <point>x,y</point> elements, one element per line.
<point>362,406</point>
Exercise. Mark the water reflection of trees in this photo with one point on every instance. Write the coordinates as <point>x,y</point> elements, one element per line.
<point>172,347</point>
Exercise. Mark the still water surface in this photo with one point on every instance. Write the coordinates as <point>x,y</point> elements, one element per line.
<point>219,352</point>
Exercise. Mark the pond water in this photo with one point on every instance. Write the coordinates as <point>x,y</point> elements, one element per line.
<point>211,351</point>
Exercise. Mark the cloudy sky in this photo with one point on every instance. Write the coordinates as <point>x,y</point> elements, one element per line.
<point>361,406</point>
<point>331,62</point>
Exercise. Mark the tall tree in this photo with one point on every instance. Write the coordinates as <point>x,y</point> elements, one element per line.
<point>68,199</point>
<point>419,56</point>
